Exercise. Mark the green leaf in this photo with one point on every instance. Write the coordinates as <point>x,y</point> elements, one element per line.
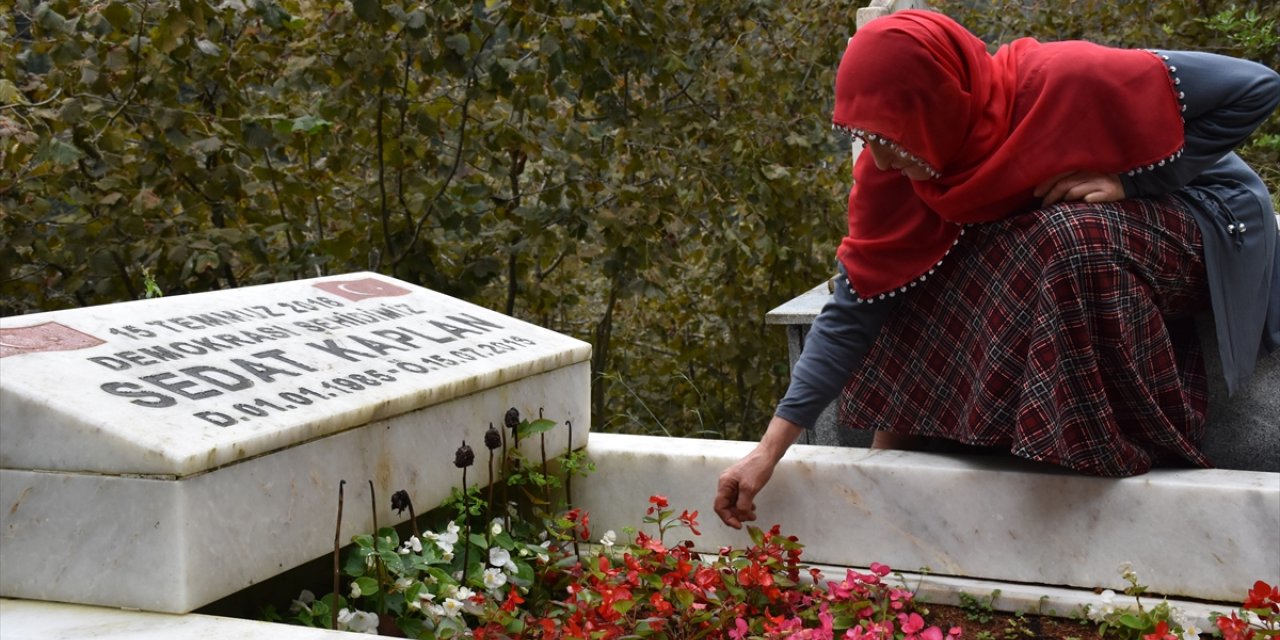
<point>1133,622</point>
<point>257,136</point>
<point>368,10</point>
<point>416,20</point>
<point>9,93</point>
<point>168,34</point>
<point>310,125</point>
<point>119,15</point>
<point>208,48</point>
<point>61,153</point>
<point>459,42</point>
<point>540,425</point>
<point>368,586</point>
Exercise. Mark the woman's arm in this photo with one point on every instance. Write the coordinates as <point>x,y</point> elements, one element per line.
<point>1226,99</point>
<point>840,336</point>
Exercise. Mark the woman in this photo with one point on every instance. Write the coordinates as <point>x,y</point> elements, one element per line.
<point>989,295</point>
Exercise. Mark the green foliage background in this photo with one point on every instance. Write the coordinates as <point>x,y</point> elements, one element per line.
<point>650,176</point>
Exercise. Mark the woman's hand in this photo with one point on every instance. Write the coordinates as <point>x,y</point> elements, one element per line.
<point>739,484</point>
<point>1087,186</point>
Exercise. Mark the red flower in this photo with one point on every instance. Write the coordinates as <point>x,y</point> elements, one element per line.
<point>548,627</point>
<point>1263,596</point>
<point>690,520</point>
<point>657,502</point>
<point>1161,633</point>
<point>660,605</point>
<point>513,600</point>
<point>1233,628</point>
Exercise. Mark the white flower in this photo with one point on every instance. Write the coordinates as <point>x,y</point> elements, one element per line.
<point>426,595</point>
<point>494,578</point>
<point>444,541</point>
<point>451,534</point>
<point>358,621</point>
<point>452,607</point>
<point>447,555</point>
<point>1180,618</point>
<point>610,538</point>
<point>463,593</point>
<point>498,556</point>
<point>403,584</point>
<point>303,602</point>
<point>355,591</point>
<point>413,544</point>
<point>495,527</point>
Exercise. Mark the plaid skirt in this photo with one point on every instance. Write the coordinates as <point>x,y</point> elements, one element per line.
<point>1065,334</point>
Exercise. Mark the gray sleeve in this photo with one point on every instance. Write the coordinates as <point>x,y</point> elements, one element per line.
<point>840,336</point>
<point>1224,100</point>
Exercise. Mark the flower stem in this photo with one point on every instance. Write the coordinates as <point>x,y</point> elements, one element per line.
<point>568,474</point>
<point>466,530</point>
<point>382,578</point>
<point>488,511</point>
<point>568,486</point>
<point>337,535</point>
<point>506,515</point>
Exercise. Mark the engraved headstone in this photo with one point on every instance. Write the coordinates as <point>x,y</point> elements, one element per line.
<point>161,454</point>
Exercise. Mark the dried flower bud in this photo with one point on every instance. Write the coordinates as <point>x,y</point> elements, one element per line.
<point>512,419</point>
<point>400,501</point>
<point>492,439</point>
<point>464,456</point>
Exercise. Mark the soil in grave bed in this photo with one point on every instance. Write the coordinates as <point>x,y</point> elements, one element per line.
<point>997,625</point>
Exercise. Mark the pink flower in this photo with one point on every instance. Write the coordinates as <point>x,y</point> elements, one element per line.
<point>739,630</point>
<point>910,623</point>
<point>875,631</point>
<point>880,569</point>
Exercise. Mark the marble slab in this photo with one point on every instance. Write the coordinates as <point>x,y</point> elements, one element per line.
<point>179,385</point>
<point>1202,534</point>
<point>107,502</point>
<point>28,620</point>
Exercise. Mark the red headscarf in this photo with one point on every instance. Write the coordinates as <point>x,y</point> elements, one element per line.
<point>992,127</point>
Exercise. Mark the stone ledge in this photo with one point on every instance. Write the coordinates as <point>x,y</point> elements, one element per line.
<point>1204,534</point>
<point>31,620</point>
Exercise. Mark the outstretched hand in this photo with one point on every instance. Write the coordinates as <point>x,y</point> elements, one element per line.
<point>1086,186</point>
<point>739,484</point>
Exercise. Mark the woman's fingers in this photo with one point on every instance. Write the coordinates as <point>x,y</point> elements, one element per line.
<point>1080,186</point>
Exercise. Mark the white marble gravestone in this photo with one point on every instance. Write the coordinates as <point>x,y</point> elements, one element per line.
<point>161,454</point>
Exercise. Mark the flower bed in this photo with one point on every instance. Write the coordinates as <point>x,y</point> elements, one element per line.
<point>526,564</point>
